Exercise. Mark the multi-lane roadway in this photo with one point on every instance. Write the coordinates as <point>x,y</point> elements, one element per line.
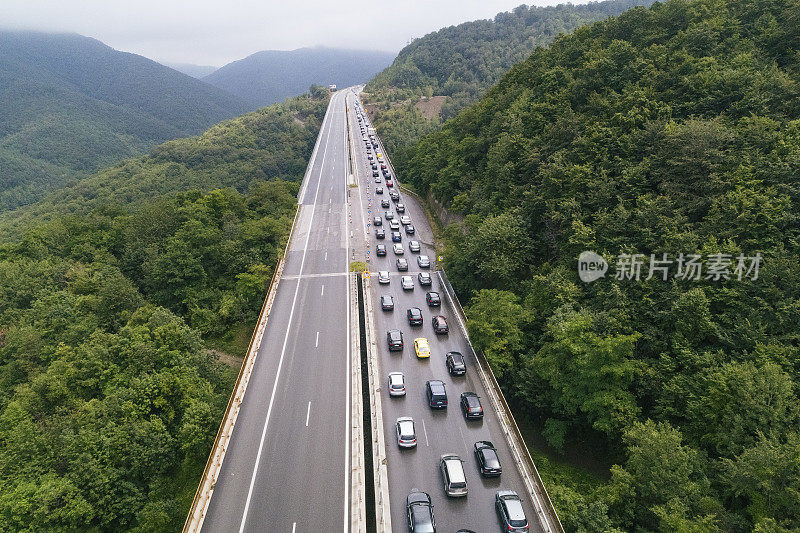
<point>287,466</point>
<point>438,431</point>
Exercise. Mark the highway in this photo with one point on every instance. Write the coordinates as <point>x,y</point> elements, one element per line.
<point>286,468</point>
<point>438,432</point>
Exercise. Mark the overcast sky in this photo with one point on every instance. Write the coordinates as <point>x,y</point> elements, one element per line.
<point>215,32</point>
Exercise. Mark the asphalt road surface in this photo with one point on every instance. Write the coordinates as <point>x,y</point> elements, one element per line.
<point>286,468</point>
<point>438,432</point>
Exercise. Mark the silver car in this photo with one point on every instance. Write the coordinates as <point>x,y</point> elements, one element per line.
<point>383,276</point>
<point>388,215</point>
<point>407,282</point>
<point>395,225</point>
<point>423,261</point>
<point>405,220</point>
<point>397,384</point>
<point>413,246</point>
<point>406,433</point>
<point>398,249</point>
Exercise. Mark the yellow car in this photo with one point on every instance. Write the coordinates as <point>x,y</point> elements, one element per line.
<point>422,347</point>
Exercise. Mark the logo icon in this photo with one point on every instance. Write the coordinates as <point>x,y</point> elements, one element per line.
<point>591,266</point>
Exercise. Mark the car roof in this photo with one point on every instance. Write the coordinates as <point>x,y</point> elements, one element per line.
<point>456,469</point>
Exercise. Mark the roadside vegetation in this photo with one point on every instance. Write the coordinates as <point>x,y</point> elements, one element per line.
<point>437,75</point>
<point>111,293</point>
<point>674,129</point>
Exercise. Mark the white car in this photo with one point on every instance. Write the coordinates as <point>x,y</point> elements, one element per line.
<point>407,282</point>
<point>413,246</point>
<point>406,433</point>
<point>397,384</point>
<point>383,276</point>
<point>405,220</point>
<point>398,249</point>
<point>395,225</point>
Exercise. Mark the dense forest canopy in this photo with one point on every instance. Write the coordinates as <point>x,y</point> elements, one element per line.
<point>674,129</point>
<point>111,294</point>
<point>462,62</point>
<point>70,105</point>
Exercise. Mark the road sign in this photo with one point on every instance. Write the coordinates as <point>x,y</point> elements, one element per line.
<point>440,258</point>
<point>366,274</point>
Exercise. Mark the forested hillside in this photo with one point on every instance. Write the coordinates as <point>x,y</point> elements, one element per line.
<point>111,293</point>
<point>271,76</point>
<point>70,105</point>
<point>670,130</point>
<point>439,74</point>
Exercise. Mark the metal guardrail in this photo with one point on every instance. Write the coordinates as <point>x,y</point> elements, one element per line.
<point>530,474</point>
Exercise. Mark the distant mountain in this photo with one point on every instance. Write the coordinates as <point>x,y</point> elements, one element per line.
<point>437,75</point>
<point>70,105</point>
<point>274,75</point>
<point>195,71</point>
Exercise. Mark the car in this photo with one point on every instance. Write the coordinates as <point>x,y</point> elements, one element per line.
<point>422,348</point>
<point>436,393</point>
<point>394,225</point>
<point>383,276</point>
<point>414,316</point>
<point>398,249</point>
<point>395,339</point>
<point>439,325</point>
<point>402,264</point>
<point>419,513</point>
<point>406,433</point>
<point>380,234</point>
<point>433,299</point>
<point>405,220</point>
<point>410,230</point>
<point>389,183</point>
<point>394,195</point>
<point>387,174</point>
<point>388,215</point>
<point>374,145</point>
<point>424,279</point>
<point>396,237</point>
<point>510,512</point>
<point>378,190</point>
<point>453,478</point>
<point>423,261</point>
<point>387,302</point>
<point>385,203</point>
<point>397,384</point>
<point>414,246</point>
<point>471,406</point>
<point>383,165</point>
<point>407,283</point>
<point>374,167</point>
<point>486,456</point>
<point>377,180</point>
<point>401,208</point>
<point>377,221</point>
<point>375,174</point>
<point>370,157</point>
<point>380,250</point>
<point>456,364</point>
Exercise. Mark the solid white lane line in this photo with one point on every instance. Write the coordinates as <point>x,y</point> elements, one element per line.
<point>283,353</point>
<point>294,526</point>
<point>326,256</point>
<point>426,433</point>
<point>322,292</point>
<point>316,343</point>
<point>308,413</point>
